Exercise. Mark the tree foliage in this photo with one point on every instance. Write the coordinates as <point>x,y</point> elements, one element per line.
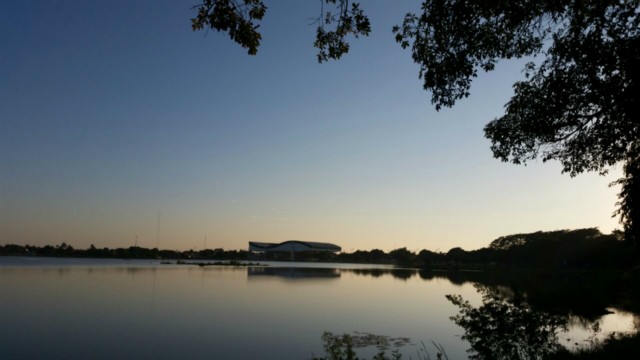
<point>630,197</point>
<point>452,40</point>
<point>578,102</point>
<point>332,44</point>
<point>240,18</point>
<point>133,252</point>
<point>510,241</point>
<point>237,19</point>
<point>577,106</point>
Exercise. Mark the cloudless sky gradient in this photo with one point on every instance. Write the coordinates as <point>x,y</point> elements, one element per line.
<point>112,112</point>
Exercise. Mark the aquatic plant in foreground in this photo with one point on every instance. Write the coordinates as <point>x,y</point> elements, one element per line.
<point>341,347</point>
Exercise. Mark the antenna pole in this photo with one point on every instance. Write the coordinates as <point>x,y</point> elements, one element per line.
<point>158,231</point>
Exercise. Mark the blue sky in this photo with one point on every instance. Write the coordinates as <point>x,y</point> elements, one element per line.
<point>112,112</point>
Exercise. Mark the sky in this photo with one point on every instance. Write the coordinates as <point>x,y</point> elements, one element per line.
<point>118,122</point>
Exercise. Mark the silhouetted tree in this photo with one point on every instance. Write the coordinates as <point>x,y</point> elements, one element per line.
<point>581,248</point>
<point>578,104</point>
<point>240,20</point>
<point>378,256</point>
<point>402,256</point>
<point>427,258</point>
<point>630,197</point>
<point>456,256</point>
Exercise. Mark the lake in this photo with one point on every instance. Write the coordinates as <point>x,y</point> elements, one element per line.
<point>140,309</point>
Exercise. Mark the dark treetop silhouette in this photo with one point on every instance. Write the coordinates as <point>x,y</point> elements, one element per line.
<point>577,104</point>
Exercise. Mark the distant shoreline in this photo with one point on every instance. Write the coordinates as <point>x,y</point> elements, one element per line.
<point>581,249</point>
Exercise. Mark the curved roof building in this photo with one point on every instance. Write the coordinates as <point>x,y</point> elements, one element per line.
<point>293,246</point>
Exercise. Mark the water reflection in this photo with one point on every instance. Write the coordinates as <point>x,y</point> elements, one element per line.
<point>510,323</point>
<point>319,273</point>
<point>401,274</point>
<point>587,295</point>
<point>293,273</point>
<point>507,329</point>
<point>143,310</point>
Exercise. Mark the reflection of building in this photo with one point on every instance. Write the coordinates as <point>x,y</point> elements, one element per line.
<point>292,273</point>
<point>292,247</point>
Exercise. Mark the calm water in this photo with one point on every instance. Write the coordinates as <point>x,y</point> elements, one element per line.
<point>108,309</point>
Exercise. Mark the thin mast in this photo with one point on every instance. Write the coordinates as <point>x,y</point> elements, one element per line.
<point>158,231</point>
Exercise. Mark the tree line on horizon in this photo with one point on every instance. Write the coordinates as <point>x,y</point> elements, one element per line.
<point>577,249</point>
<point>133,252</point>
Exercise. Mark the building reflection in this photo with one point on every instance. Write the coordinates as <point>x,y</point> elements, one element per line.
<point>292,273</point>
<point>327,273</point>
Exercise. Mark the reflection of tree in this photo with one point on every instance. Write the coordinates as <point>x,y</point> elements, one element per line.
<point>499,329</point>
<point>367,272</point>
<point>586,294</point>
<point>402,274</point>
